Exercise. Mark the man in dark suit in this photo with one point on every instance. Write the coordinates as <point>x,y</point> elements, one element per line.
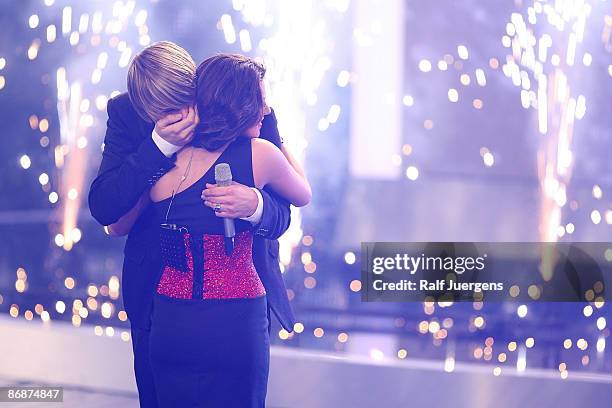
<point>145,128</point>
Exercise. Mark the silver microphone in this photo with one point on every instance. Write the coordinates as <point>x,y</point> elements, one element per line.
<point>223,178</point>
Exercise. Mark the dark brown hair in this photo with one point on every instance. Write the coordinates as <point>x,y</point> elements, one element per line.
<point>228,97</point>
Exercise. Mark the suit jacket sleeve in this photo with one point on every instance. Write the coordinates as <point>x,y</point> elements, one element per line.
<point>276,215</point>
<point>130,165</point>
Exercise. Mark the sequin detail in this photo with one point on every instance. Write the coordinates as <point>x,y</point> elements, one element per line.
<point>175,282</point>
<point>224,277</point>
<point>234,276</point>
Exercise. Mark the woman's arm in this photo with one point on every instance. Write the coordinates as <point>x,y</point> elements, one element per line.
<point>293,162</point>
<point>281,172</point>
<point>126,222</point>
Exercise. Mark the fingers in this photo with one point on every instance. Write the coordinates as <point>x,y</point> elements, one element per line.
<point>206,192</point>
<point>179,121</point>
<point>225,203</point>
<point>169,119</point>
<point>184,112</point>
<point>214,187</point>
<point>180,126</point>
<point>197,115</point>
<point>215,192</point>
<point>191,113</point>
<point>188,133</point>
<point>185,117</point>
<point>226,211</point>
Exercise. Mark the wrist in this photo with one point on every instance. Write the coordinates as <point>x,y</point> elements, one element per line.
<point>269,129</point>
<point>255,217</point>
<point>167,148</point>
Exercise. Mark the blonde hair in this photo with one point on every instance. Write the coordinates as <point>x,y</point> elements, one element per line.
<point>161,79</point>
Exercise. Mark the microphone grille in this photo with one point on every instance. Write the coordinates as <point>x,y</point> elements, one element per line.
<point>223,172</point>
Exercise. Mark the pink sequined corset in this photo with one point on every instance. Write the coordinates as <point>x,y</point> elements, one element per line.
<point>202,270</point>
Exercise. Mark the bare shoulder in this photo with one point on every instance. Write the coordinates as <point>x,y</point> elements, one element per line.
<point>262,146</point>
<point>266,158</point>
<point>263,149</point>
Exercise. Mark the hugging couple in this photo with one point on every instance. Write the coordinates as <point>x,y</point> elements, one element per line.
<point>200,318</point>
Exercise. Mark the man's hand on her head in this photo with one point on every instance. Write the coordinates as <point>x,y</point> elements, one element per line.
<point>236,200</point>
<point>269,129</point>
<point>177,127</point>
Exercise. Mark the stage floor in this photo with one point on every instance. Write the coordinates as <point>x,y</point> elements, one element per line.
<point>97,371</point>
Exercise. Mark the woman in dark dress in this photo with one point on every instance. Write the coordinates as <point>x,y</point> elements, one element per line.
<point>209,332</point>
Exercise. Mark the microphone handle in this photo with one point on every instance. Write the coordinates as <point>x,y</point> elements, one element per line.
<point>230,229</point>
<point>230,233</point>
<point>228,245</point>
<point>228,225</point>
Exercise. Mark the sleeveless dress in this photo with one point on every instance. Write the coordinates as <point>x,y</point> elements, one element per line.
<point>209,341</point>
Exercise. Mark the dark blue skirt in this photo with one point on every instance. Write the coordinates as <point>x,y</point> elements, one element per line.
<point>210,352</point>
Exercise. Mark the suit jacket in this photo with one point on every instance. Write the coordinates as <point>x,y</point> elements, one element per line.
<point>131,164</point>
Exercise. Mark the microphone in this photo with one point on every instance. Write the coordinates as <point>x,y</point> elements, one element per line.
<point>223,178</point>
